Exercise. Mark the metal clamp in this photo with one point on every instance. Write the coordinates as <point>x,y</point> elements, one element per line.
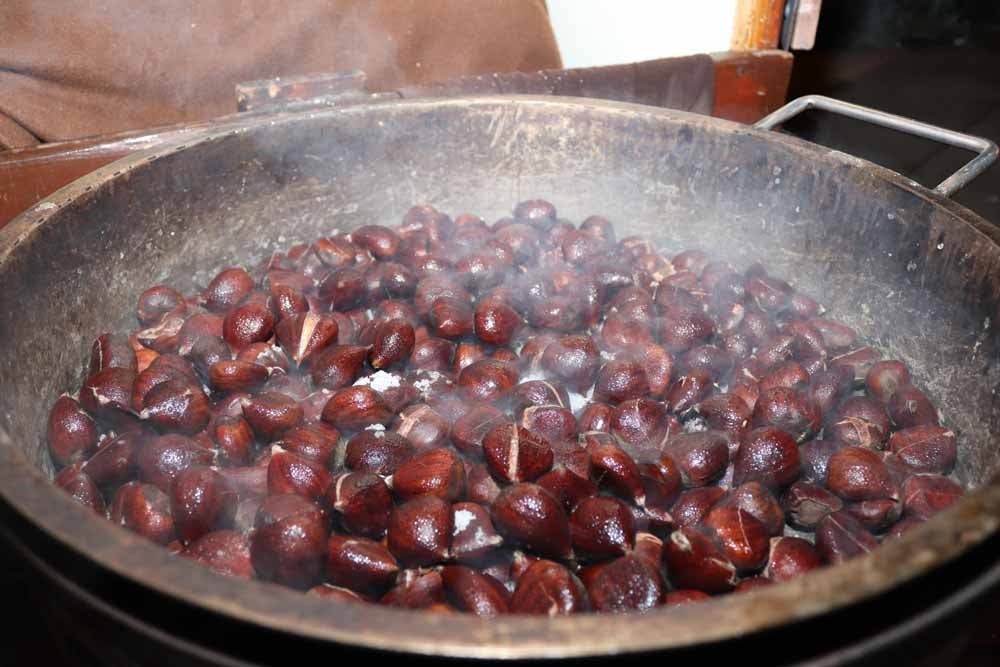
<point>986,149</point>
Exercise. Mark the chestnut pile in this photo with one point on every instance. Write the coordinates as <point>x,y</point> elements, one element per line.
<point>529,417</point>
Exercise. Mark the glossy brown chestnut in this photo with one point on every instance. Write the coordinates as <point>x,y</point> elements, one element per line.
<point>694,561</point>
<point>354,408</point>
<point>201,500</point>
<point>790,557</point>
<point>756,500</point>
<point>360,564</point>
<point>392,343</point>
<point>303,336</point>
<point>619,381</point>
<point>474,592</point>
<point>496,322</point>
<point>420,531</point>
<point>74,481</point>
<point>858,473</point>
<point>270,414</point>
<point>840,537</point>
<point>726,412</point>
<point>237,376</point>
<point>767,455</point>
<point>815,456</point>
<point>640,421</point>
<point>538,392</point>
<point>925,495</point>
<point>910,407</point>
<point>688,391</point>
<point>289,544</point>
<point>470,429</point>
<point>859,360</point>
<point>114,461</point>
<point>71,433</point>
<point>144,509</point>
<point>595,417</point>
<point>625,585</point>
<point>925,448</point>
<point>612,467</point>
<point>548,589</point>
<point>422,426</point>
<point>338,366</point>
<point>289,473</point>
<point>806,504</point>
<point>861,422</point>
<point>514,454</point>
<point>161,459</point>
<point>885,377</point>
<point>156,302</point>
<point>744,539</point>
<point>416,589</point>
<point>551,423</point>
<point>528,515</point>
<point>567,486</point>
<point>112,351</point>
<point>602,527</point>
<point>487,380</point>
<point>362,503</point>
<point>227,289</point>
<point>246,324</point>
<point>790,410</point>
<point>378,452</point>
<point>437,472</point>
<point>573,360</point>
<point>107,395</point>
<point>836,336</point>
<point>701,457</point>
<point>473,535</point>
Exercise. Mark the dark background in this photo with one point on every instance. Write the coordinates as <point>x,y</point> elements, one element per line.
<point>937,61</point>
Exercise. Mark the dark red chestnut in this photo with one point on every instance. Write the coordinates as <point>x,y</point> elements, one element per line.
<point>289,545</point>
<point>625,585</point>
<point>548,589</point>
<point>420,531</point>
<point>602,527</point>
<point>201,500</point>
<point>767,455</point>
<point>72,433</point>
<point>790,557</point>
<point>144,509</point>
<point>437,472</point>
<point>514,454</point>
<point>527,514</point>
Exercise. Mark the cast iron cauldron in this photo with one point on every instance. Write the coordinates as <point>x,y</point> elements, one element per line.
<point>918,274</point>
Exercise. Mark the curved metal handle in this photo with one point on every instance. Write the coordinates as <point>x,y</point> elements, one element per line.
<point>986,149</point>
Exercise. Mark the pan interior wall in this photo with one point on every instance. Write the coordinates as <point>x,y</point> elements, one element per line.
<point>914,279</point>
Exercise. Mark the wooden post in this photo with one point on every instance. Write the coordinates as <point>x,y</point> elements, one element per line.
<point>757,24</point>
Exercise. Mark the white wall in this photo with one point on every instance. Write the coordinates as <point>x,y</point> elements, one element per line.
<point>610,32</point>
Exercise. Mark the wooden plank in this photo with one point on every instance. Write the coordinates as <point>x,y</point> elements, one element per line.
<point>750,85</point>
<point>757,24</point>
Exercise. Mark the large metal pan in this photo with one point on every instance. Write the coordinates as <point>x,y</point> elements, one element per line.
<point>914,271</point>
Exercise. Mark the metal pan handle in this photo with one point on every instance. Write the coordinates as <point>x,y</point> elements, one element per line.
<point>986,149</point>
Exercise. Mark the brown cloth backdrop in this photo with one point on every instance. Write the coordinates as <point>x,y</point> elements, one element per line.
<point>74,68</point>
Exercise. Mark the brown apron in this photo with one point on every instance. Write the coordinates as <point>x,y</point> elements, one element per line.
<point>74,68</point>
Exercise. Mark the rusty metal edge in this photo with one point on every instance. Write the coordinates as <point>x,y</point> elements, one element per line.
<point>23,487</point>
